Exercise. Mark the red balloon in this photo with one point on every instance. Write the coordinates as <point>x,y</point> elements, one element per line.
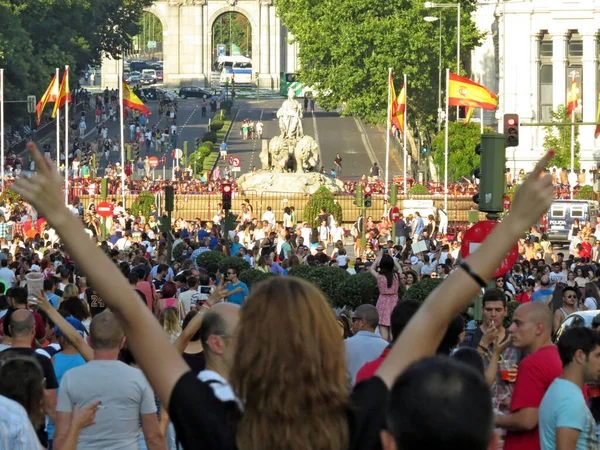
<point>476,235</point>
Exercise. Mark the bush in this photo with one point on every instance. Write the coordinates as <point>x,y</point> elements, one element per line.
<point>328,280</point>
<point>210,136</point>
<point>226,106</point>
<point>9,194</point>
<point>230,262</point>
<point>179,252</point>
<point>216,125</point>
<point>303,272</point>
<point>143,203</point>
<point>356,290</point>
<point>421,290</point>
<point>253,276</point>
<point>418,189</point>
<point>205,259</point>
<point>585,193</point>
<point>511,307</point>
<point>323,198</point>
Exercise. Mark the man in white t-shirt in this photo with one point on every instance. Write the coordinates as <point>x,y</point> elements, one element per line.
<point>6,275</point>
<point>556,276</point>
<point>269,216</point>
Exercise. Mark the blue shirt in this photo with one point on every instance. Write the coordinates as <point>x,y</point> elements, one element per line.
<point>419,227</point>
<point>361,348</point>
<point>542,295</point>
<point>202,233</point>
<point>235,248</point>
<point>276,269</point>
<point>53,299</point>
<point>170,274</point>
<point>563,406</point>
<point>223,147</point>
<point>238,297</point>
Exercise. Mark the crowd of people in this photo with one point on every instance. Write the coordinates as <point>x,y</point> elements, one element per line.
<point>108,344</point>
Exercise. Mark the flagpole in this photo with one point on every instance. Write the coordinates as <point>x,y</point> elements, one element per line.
<point>404,134</point>
<point>572,146</point>
<point>387,141</point>
<point>57,125</point>
<point>481,109</point>
<point>66,135</point>
<point>446,144</point>
<point>2,125</point>
<point>122,130</point>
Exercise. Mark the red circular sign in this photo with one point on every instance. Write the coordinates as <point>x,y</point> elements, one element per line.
<point>476,235</point>
<point>394,214</point>
<point>105,209</point>
<point>153,162</point>
<point>506,203</point>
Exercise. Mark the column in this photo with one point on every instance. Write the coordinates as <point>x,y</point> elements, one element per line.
<point>589,96</point>
<point>265,51</point>
<point>559,71</point>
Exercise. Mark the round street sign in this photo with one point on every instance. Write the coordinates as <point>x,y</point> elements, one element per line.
<point>360,224</point>
<point>235,161</point>
<point>476,235</point>
<point>153,162</point>
<point>506,203</point>
<point>394,214</point>
<point>105,209</point>
<point>178,153</point>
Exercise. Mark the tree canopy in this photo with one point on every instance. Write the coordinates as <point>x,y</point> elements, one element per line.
<point>36,36</point>
<point>559,139</point>
<point>346,49</point>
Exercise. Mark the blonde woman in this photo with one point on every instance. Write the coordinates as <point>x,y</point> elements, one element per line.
<point>169,319</point>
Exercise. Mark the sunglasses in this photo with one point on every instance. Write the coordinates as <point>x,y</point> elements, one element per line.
<point>571,296</point>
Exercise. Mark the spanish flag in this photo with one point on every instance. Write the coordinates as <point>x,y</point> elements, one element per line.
<point>132,101</point>
<point>464,92</point>
<point>64,94</point>
<point>49,96</point>
<point>573,100</point>
<point>597,130</point>
<point>470,109</point>
<point>398,106</point>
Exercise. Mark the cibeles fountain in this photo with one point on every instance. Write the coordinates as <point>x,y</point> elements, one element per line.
<point>290,162</point>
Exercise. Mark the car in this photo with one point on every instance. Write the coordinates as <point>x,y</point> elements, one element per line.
<point>152,93</point>
<point>193,91</point>
<point>159,76</point>
<point>147,79</point>
<point>577,320</point>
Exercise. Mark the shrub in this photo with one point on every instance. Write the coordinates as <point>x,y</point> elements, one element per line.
<point>357,290</point>
<point>179,252</point>
<point>226,106</point>
<point>230,262</point>
<point>328,280</point>
<point>253,276</point>
<point>303,272</point>
<point>418,189</point>
<point>323,198</point>
<point>511,307</point>
<point>421,290</point>
<point>9,194</point>
<point>205,259</point>
<point>216,125</point>
<point>143,203</point>
<point>210,136</point>
<point>585,193</point>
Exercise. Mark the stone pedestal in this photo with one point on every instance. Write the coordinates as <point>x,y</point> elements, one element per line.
<point>307,183</point>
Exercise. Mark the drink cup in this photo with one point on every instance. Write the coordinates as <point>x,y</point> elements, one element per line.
<point>508,371</point>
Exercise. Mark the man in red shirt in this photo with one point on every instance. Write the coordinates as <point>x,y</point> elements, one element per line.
<point>586,248</point>
<point>531,332</point>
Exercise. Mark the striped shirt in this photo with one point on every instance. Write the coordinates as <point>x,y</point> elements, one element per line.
<point>16,431</point>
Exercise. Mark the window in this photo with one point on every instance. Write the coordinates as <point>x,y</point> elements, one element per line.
<point>577,212</point>
<point>545,76</point>
<point>558,212</point>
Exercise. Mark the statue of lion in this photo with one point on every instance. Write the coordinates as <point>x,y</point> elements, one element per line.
<point>279,153</point>
<point>306,154</point>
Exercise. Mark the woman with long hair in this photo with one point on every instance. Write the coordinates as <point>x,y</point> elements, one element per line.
<point>169,291</point>
<point>385,272</point>
<point>169,319</point>
<point>77,308</point>
<point>591,295</point>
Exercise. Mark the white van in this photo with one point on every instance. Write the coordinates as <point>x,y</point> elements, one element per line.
<point>150,72</point>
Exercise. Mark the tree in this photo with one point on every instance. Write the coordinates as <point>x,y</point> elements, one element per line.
<point>462,158</point>
<point>345,49</point>
<point>559,139</point>
<point>323,198</point>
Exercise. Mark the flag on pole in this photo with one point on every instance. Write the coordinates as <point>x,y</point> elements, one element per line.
<point>597,130</point>
<point>64,94</point>
<point>49,96</point>
<point>132,101</point>
<point>573,100</point>
<point>398,106</point>
<point>470,109</point>
<point>464,92</point>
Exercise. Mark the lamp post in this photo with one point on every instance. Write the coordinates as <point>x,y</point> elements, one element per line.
<point>439,118</point>
<point>457,6</point>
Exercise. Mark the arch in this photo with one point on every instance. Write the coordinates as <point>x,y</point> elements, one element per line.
<point>158,12</point>
<point>214,16</point>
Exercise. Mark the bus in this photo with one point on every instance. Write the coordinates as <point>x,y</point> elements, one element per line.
<point>238,68</point>
<point>562,215</point>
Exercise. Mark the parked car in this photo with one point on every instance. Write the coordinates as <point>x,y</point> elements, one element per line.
<point>577,320</point>
<point>147,79</point>
<point>193,91</point>
<point>152,93</point>
<point>134,77</point>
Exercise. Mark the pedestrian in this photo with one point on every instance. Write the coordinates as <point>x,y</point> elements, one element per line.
<point>337,162</point>
<point>259,129</point>
<point>203,105</point>
<point>82,128</point>
<point>223,148</point>
<point>386,271</point>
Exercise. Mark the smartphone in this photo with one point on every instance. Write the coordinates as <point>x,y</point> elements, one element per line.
<point>206,290</point>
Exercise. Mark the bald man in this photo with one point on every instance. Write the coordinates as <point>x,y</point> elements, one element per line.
<point>531,332</point>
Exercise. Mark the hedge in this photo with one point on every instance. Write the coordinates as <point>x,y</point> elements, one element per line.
<point>230,262</point>
<point>205,259</point>
<point>357,290</point>
<point>210,136</point>
<point>328,279</point>
<point>252,277</point>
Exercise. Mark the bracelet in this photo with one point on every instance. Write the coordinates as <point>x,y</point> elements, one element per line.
<point>467,268</point>
<point>483,348</point>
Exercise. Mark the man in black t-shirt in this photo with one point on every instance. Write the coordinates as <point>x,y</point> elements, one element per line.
<point>94,301</point>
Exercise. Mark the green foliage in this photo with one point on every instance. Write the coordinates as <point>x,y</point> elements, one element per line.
<point>179,252</point>
<point>216,125</point>
<point>226,106</point>
<point>303,271</point>
<point>197,158</point>
<point>253,276</point>
<point>559,139</point>
<point>210,136</point>
<point>233,28</point>
<point>585,193</point>
<point>323,198</point>
<point>462,158</point>
<point>356,290</point>
<point>328,280</point>
<point>511,307</point>
<point>9,194</point>
<point>206,259</point>
<point>143,202</point>
<point>421,290</point>
<point>231,262</point>
<point>418,189</point>
<point>210,161</point>
<point>345,49</point>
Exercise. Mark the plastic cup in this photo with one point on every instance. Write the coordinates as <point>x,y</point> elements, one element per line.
<point>508,372</point>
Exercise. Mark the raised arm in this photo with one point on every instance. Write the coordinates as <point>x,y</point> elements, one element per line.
<point>425,331</point>
<point>145,335</point>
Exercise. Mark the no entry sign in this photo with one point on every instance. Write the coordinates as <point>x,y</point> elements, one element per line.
<point>476,235</point>
<point>153,162</point>
<point>105,209</point>
<point>394,214</point>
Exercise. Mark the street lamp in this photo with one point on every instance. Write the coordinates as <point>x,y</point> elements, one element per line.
<point>457,6</point>
<point>439,117</point>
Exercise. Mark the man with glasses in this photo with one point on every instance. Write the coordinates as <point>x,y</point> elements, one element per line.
<point>237,291</point>
<point>569,306</point>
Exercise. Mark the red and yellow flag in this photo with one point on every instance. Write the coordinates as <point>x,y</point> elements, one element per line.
<point>132,101</point>
<point>49,96</point>
<point>398,106</point>
<point>464,92</point>
<point>64,94</point>
<point>470,109</point>
<point>597,130</point>
<point>573,99</point>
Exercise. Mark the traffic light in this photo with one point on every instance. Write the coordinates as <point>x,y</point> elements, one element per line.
<point>477,175</point>
<point>511,129</point>
<point>169,198</point>
<point>226,190</point>
<point>367,191</point>
<point>493,181</point>
<point>197,143</point>
<point>358,196</point>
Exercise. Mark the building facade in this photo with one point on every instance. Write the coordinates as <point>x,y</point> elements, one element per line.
<point>532,51</point>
